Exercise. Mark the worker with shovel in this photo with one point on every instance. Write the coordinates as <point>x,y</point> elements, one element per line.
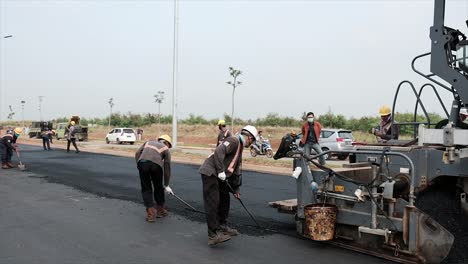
<point>8,145</point>
<point>154,165</point>
<point>221,174</point>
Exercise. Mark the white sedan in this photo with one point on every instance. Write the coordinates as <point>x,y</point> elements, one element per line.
<point>121,135</point>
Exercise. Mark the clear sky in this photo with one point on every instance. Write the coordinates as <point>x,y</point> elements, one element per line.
<point>296,56</point>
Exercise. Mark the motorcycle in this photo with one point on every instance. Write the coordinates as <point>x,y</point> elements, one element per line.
<point>263,148</point>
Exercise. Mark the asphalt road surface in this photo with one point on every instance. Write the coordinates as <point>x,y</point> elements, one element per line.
<point>86,208</point>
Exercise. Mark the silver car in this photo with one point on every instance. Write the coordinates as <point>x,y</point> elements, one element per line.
<point>335,140</point>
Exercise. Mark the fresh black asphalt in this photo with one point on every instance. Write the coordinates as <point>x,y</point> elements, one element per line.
<point>116,177</point>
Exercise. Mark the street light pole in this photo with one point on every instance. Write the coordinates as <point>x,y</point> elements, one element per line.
<point>174,75</point>
<point>40,106</point>
<point>1,73</point>
<point>22,111</point>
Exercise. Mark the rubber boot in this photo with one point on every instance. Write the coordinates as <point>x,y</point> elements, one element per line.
<point>150,214</point>
<point>160,211</point>
<point>217,238</point>
<point>9,164</point>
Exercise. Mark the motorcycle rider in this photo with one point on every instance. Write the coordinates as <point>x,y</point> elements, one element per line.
<point>223,132</point>
<point>259,142</point>
<point>7,145</point>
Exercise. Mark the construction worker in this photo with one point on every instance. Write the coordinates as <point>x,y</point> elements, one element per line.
<point>8,145</point>
<point>154,165</point>
<point>223,132</point>
<point>383,131</point>
<point>46,138</point>
<point>311,130</point>
<point>71,137</point>
<point>221,174</point>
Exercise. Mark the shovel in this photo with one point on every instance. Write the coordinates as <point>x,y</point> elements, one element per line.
<point>21,166</point>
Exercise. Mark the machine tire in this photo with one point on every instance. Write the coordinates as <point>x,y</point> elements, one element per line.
<point>269,153</point>
<point>442,203</point>
<point>107,141</point>
<point>118,141</point>
<point>253,152</point>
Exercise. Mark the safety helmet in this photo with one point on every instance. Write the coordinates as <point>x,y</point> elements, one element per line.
<point>221,122</point>
<point>251,130</point>
<point>384,110</point>
<point>72,123</point>
<point>53,131</point>
<point>18,130</point>
<point>167,138</point>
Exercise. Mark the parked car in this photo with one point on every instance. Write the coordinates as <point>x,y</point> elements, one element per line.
<point>335,140</point>
<point>121,135</point>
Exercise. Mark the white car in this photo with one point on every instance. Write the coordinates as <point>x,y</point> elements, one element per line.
<point>121,135</point>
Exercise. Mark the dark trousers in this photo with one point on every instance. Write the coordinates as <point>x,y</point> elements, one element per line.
<point>5,153</point>
<point>72,140</point>
<point>217,202</point>
<point>46,142</point>
<point>151,178</point>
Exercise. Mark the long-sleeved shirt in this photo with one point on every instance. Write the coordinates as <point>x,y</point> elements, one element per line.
<point>157,153</point>
<point>8,141</point>
<point>223,135</point>
<point>226,158</point>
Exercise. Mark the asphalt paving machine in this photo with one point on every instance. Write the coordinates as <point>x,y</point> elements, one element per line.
<point>405,200</point>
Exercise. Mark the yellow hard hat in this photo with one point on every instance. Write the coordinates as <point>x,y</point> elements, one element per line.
<point>167,138</point>
<point>72,123</point>
<point>18,130</point>
<point>221,122</point>
<point>385,110</point>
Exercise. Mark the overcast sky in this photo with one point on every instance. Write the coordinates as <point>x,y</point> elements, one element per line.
<point>296,56</point>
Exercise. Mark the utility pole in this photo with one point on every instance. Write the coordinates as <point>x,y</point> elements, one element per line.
<point>234,83</point>
<point>2,79</point>
<point>40,106</point>
<point>111,104</point>
<point>159,98</point>
<point>22,111</point>
<point>174,75</point>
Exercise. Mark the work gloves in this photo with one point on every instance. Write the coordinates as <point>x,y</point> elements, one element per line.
<point>168,190</point>
<point>222,176</point>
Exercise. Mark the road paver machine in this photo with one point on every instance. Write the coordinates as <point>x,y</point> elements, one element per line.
<point>405,200</point>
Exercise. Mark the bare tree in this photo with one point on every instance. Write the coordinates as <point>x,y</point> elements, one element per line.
<point>234,83</point>
<point>11,114</point>
<point>111,104</point>
<point>159,98</point>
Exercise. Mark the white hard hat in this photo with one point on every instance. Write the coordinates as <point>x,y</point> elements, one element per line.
<point>251,129</point>
<point>464,115</point>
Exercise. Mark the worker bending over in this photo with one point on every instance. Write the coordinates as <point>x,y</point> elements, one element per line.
<point>154,165</point>
<point>220,172</point>
<point>8,145</point>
